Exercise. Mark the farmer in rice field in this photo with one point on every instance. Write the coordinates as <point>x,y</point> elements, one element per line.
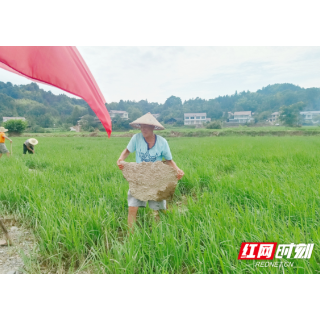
<point>149,147</point>
<point>3,137</point>
<point>28,145</point>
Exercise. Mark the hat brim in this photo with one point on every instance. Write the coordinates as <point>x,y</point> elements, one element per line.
<point>3,131</point>
<point>138,126</point>
<point>149,120</point>
<point>35,143</point>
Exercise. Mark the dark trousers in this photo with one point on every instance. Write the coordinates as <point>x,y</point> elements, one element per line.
<point>25,149</point>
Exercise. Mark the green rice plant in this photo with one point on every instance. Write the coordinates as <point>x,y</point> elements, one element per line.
<point>235,189</point>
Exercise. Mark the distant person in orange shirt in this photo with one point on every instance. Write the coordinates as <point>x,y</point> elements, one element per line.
<point>3,137</point>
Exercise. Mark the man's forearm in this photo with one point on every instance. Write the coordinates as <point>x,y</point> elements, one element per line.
<point>124,154</point>
<point>122,157</point>
<point>172,164</point>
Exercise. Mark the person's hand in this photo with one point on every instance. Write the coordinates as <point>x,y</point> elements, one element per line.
<point>180,174</point>
<point>32,151</point>
<point>11,141</point>
<point>121,166</point>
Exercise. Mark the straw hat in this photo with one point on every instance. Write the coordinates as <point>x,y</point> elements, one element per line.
<point>2,129</point>
<point>147,119</point>
<point>33,141</point>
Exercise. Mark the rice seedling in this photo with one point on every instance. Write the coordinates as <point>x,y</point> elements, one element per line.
<point>235,189</point>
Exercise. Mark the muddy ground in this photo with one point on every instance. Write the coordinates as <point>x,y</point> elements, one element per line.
<point>11,261</point>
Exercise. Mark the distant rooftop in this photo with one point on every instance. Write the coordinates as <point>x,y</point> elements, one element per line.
<point>117,111</point>
<point>5,119</point>
<point>304,112</point>
<point>242,113</point>
<point>195,114</point>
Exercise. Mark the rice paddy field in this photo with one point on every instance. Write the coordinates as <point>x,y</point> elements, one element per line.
<point>236,189</point>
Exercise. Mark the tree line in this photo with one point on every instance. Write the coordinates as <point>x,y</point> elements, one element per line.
<point>43,109</point>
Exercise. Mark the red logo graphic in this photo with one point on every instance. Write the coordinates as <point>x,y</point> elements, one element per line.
<point>257,250</point>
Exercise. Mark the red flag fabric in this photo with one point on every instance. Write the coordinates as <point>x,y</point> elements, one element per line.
<point>61,67</point>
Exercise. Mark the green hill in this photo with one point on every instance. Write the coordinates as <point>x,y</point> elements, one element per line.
<point>39,106</point>
<point>43,108</point>
<point>263,102</point>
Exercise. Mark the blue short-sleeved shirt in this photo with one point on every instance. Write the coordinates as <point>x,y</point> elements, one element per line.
<point>143,153</point>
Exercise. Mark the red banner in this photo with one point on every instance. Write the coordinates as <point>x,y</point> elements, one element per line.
<point>61,67</point>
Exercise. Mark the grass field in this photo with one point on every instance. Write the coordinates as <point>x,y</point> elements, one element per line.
<point>170,128</point>
<point>235,189</point>
<point>185,131</point>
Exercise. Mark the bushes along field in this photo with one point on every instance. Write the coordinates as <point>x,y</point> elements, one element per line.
<point>235,189</point>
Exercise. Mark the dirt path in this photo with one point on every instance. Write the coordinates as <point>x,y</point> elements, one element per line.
<point>23,242</point>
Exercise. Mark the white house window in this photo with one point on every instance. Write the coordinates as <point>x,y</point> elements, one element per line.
<point>191,117</point>
<point>203,117</point>
<point>187,117</point>
<point>197,117</point>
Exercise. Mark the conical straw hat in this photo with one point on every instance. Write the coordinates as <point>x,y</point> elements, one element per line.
<point>33,141</point>
<point>2,129</point>
<point>147,119</point>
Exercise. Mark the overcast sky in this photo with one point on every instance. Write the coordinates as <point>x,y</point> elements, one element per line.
<point>156,73</point>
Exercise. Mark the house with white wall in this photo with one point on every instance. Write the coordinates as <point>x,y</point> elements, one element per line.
<point>274,119</point>
<point>241,117</point>
<point>195,118</point>
<point>113,114</point>
<point>310,116</point>
<point>123,114</point>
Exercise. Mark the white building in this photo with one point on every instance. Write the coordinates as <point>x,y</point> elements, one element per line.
<point>5,119</point>
<point>123,114</point>
<point>274,117</point>
<point>310,115</point>
<point>195,118</point>
<point>230,114</point>
<point>241,117</point>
